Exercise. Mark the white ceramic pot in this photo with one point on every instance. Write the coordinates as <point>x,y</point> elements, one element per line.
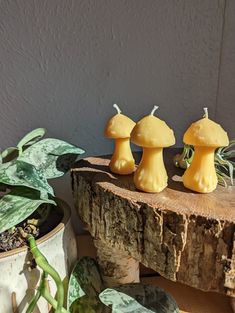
<point>18,284</point>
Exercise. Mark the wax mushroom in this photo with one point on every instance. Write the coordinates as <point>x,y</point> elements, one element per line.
<point>206,136</point>
<point>153,135</point>
<point>119,128</point>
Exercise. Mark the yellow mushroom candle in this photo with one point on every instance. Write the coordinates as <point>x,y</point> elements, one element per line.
<point>119,128</point>
<point>153,135</point>
<point>205,135</point>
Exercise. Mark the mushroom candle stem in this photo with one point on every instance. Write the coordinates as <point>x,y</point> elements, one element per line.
<point>201,175</point>
<point>151,175</point>
<point>122,161</point>
<point>205,135</point>
<point>119,128</point>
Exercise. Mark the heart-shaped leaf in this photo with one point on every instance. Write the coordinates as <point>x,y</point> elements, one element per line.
<point>138,298</point>
<point>47,155</point>
<point>18,205</point>
<point>85,284</point>
<point>19,173</point>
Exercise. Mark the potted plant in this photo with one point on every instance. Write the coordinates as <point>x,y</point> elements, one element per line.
<point>29,210</point>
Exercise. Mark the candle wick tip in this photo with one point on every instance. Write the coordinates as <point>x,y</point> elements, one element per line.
<point>117,108</point>
<point>206,112</point>
<point>154,109</point>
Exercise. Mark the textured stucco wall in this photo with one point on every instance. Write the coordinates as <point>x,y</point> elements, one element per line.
<point>63,63</point>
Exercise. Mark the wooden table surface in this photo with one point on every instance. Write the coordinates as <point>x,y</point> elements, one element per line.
<point>219,205</point>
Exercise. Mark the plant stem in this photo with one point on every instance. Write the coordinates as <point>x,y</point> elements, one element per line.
<point>47,268</point>
<point>38,294</point>
<point>52,301</point>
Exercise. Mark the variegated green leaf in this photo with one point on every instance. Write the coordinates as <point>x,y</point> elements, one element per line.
<point>19,173</point>
<point>85,284</point>
<point>31,138</point>
<point>18,205</point>
<point>88,304</point>
<point>51,156</point>
<point>138,298</point>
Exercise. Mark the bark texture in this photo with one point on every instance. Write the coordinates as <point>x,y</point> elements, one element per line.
<point>116,267</point>
<point>184,236</point>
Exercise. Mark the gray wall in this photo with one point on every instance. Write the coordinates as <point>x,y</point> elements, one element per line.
<point>63,63</point>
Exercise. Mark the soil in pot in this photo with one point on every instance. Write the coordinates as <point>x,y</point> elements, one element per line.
<point>34,224</point>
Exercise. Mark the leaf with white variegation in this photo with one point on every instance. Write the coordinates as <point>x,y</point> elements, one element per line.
<point>138,298</point>
<point>19,173</point>
<point>85,284</point>
<point>51,156</point>
<point>18,205</point>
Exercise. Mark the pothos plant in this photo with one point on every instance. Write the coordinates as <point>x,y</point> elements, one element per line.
<point>25,171</point>
<point>224,162</point>
<point>24,174</point>
<point>87,293</point>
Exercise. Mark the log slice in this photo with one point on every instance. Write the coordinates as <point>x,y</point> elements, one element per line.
<point>184,236</point>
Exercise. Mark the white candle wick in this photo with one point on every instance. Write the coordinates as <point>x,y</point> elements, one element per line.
<point>206,112</point>
<point>117,108</point>
<point>154,109</point>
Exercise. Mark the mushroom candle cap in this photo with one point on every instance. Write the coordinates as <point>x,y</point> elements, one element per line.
<point>119,126</point>
<point>205,132</point>
<point>151,132</point>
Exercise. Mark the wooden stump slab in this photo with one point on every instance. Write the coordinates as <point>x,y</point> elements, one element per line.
<point>184,236</point>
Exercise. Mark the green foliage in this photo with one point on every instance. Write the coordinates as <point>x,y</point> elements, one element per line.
<point>31,138</point>
<point>24,171</point>
<point>46,154</point>
<point>138,298</point>
<point>18,205</point>
<point>85,284</point>
<point>184,159</point>
<point>86,294</point>
<point>20,173</point>
<point>225,163</point>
